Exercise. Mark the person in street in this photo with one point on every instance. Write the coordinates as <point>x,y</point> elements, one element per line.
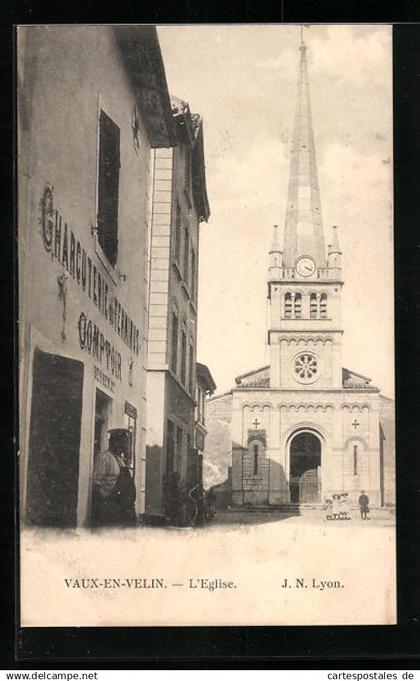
<point>364,505</point>
<point>211,503</point>
<point>114,492</point>
<point>175,499</point>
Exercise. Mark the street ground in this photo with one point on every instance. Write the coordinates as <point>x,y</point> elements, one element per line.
<point>381,517</point>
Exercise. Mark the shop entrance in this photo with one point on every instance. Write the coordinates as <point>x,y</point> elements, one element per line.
<point>102,413</point>
<point>54,440</point>
<point>305,468</point>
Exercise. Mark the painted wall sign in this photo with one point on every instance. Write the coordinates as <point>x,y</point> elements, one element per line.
<point>104,380</point>
<point>66,249</point>
<point>93,341</point>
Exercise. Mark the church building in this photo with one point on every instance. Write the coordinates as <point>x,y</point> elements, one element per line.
<point>304,427</point>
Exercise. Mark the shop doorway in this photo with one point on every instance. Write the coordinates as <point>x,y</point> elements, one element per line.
<point>102,414</point>
<point>54,440</point>
<point>305,468</point>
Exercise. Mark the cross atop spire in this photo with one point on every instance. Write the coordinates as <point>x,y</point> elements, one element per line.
<point>303,234</point>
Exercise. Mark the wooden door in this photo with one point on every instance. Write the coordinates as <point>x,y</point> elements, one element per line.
<point>54,440</point>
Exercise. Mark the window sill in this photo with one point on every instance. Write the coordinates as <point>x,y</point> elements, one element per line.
<point>306,319</point>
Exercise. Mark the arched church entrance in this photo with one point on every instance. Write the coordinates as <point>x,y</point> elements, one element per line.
<point>305,468</point>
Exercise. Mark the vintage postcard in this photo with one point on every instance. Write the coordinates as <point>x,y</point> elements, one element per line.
<point>205,227</point>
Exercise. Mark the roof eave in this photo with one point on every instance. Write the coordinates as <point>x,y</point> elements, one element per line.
<point>142,59</point>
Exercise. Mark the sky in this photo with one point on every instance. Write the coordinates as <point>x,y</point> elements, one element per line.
<point>242,79</point>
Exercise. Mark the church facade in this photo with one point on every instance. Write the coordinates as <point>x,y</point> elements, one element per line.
<point>304,427</point>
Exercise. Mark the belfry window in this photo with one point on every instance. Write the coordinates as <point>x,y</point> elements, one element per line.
<point>323,306</point>
<point>288,306</point>
<point>313,306</point>
<point>298,305</point>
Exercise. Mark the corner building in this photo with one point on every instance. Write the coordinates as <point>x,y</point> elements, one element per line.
<point>180,204</point>
<point>304,427</point>
<point>92,103</point>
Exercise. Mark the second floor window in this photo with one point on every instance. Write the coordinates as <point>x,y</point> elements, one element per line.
<point>193,275</point>
<point>186,254</point>
<point>184,357</point>
<point>191,369</point>
<point>178,233</point>
<point>108,187</point>
<point>174,348</point>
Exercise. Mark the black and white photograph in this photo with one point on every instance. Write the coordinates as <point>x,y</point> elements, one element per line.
<point>206,331</point>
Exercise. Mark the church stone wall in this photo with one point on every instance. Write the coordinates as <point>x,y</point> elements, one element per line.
<point>342,420</point>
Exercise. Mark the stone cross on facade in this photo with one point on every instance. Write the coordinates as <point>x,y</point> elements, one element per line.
<point>256,423</point>
<point>355,424</point>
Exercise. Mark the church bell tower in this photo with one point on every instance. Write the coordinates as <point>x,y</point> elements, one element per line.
<point>304,283</point>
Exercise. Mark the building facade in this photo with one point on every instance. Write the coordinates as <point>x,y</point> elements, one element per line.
<point>180,204</point>
<point>205,388</point>
<point>92,103</point>
<point>303,427</point>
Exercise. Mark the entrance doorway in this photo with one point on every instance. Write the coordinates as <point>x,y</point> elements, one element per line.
<point>102,409</point>
<point>54,440</point>
<point>305,465</point>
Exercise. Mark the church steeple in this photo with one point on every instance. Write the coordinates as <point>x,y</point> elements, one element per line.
<point>303,233</point>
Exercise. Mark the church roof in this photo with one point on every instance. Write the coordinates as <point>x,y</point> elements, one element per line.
<point>353,380</point>
<point>258,378</point>
<point>303,233</point>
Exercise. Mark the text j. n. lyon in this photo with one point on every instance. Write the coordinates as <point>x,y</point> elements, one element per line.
<point>313,583</point>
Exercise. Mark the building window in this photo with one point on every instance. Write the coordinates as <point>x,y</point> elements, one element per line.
<point>313,306</point>
<point>199,406</point>
<point>108,187</point>
<point>174,348</point>
<point>288,306</point>
<point>193,275</point>
<point>323,306</point>
<point>255,459</point>
<point>178,448</point>
<point>306,366</point>
<point>169,447</point>
<point>178,233</point>
<point>203,407</point>
<point>184,357</point>
<point>191,369</point>
<point>355,462</point>
<point>298,305</point>
<point>186,254</point>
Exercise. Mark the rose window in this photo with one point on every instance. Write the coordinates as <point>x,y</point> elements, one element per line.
<point>306,367</point>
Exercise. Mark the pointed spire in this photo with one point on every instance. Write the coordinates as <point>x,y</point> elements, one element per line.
<point>303,230</point>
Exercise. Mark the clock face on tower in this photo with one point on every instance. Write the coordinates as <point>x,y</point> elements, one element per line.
<point>305,266</point>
